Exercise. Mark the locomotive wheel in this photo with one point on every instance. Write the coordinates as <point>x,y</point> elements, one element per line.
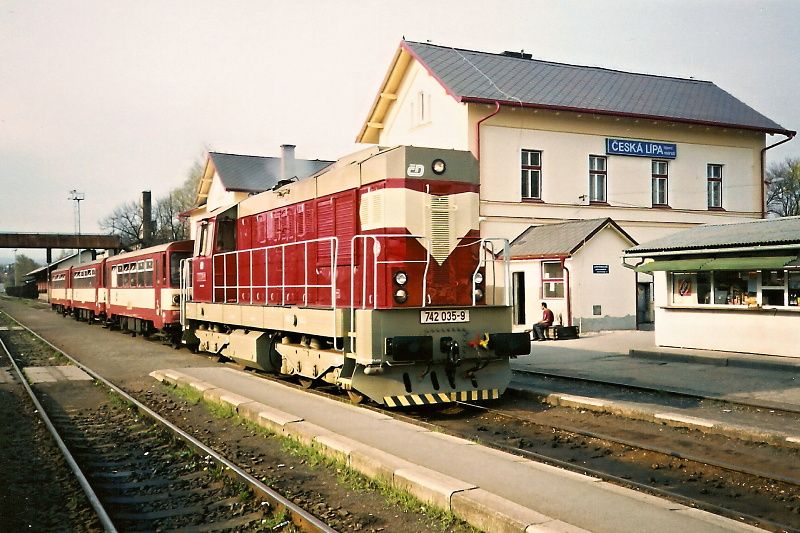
<point>355,396</point>
<point>306,383</point>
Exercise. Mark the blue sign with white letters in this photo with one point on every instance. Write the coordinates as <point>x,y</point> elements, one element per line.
<point>641,148</point>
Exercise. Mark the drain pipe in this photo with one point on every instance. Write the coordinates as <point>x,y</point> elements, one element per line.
<point>789,136</point>
<point>478,129</point>
<point>568,291</point>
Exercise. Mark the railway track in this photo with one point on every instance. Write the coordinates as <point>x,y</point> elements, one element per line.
<point>139,471</point>
<point>687,471</point>
<point>706,479</point>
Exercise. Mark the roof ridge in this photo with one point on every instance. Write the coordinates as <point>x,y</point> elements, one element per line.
<point>570,65</point>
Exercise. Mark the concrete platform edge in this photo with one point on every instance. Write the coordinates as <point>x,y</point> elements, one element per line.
<point>761,363</point>
<point>425,484</point>
<point>763,404</point>
<point>667,418</point>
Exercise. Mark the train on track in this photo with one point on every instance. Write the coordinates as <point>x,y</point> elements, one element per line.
<point>370,275</point>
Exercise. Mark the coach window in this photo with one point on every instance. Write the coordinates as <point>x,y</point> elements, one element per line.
<point>148,273</point>
<point>552,279</point>
<point>126,275</point>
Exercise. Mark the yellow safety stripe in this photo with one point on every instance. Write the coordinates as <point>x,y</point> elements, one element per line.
<point>442,397</point>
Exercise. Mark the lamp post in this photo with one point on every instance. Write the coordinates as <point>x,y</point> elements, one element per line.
<point>76,197</point>
<point>16,269</point>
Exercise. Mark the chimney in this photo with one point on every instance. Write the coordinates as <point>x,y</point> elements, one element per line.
<point>147,219</point>
<point>287,162</point>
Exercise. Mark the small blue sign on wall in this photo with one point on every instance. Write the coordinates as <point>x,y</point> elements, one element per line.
<point>600,269</point>
<point>641,148</point>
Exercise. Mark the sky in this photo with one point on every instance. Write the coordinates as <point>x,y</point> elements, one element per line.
<point>111,98</point>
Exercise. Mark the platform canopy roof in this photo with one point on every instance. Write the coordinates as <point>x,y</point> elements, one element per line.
<point>756,235</point>
<point>516,79</point>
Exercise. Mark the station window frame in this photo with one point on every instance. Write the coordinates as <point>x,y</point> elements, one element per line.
<point>714,178</point>
<point>598,179</point>
<point>552,285</point>
<point>659,172</point>
<point>531,174</point>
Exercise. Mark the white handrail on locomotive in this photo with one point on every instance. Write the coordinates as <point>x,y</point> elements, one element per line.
<point>282,286</point>
<point>507,293</point>
<point>376,262</point>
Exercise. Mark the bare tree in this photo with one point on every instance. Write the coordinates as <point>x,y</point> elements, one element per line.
<point>126,219</point>
<point>783,188</point>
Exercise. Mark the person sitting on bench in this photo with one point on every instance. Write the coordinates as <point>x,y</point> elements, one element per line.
<point>540,327</point>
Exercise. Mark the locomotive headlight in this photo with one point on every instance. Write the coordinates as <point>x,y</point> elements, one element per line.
<point>400,278</point>
<point>438,166</point>
<point>400,296</point>
<point>478,278</point>
<point>478,294</point>
<point>176,299</point>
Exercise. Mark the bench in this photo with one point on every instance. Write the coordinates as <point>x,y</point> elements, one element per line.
<point>550,332</point>
<point>556,331</point>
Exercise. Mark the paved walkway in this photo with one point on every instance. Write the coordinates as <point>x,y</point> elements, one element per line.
<point>763,391</point>
<point>493,490</point>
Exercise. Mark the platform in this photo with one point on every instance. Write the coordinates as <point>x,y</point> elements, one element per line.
<point>492,490</point>
<point>749,396</point>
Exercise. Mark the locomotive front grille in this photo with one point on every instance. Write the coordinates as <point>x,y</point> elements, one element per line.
<point>440,228</point>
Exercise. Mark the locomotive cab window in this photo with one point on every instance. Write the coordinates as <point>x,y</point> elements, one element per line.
<point>226,235</point>
<point>202,242</point>
<point>175,259</point>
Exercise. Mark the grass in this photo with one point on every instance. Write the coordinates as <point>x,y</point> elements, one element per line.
<point>315,457</point>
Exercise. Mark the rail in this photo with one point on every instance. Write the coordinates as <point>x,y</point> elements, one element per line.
<point>301,518</point>
<point>94,501</point>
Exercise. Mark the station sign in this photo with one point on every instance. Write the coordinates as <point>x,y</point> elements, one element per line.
<point>641,148</point>
<point>600,269</point>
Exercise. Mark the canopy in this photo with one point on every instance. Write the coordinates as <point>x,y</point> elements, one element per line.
<point>720,263</point>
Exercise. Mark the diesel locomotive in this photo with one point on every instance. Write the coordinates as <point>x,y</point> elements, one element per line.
<point>370,275</point>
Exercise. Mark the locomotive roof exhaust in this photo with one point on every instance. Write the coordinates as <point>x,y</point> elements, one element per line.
<point>287,163</point>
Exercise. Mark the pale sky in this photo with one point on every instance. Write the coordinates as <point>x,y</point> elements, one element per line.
<point>115,97</point>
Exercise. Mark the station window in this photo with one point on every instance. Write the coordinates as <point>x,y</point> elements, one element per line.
<point>531,170</point>
<point>714,177</point>
<point>660,174</point>
<point>421,109</point>
<point>552,279</point>
<point>598,179</point>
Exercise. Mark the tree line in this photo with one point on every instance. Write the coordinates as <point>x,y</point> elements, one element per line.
<point>783,188</point>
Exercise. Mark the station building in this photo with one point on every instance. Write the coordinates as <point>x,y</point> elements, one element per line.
<point>230,178</point>
<point>543,260</point>
<point>559,143</point>
<point>732,287</point>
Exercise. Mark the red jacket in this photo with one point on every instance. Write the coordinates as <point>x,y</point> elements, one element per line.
<point>547,317</point>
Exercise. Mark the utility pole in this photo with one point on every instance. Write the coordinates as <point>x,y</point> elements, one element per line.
<point>76,197</point>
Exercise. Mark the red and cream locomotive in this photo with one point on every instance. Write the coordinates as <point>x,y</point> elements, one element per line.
<point>370,275</point>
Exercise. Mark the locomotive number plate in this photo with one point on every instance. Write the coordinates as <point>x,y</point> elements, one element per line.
<point>440,316</point>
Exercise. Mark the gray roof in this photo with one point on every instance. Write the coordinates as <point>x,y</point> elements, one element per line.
<point>759,233</point>
<point>252,173</point>
<point>480,76</point>
<point>562,239</point>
